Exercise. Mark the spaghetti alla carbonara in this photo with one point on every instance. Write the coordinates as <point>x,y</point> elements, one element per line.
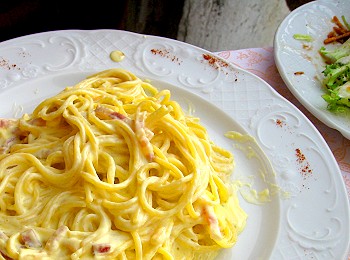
<point>112,168</point>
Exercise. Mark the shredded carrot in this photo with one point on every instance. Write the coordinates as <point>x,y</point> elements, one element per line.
<point>339,30</point>
<point>338,23</point>
<point>336,38</point>
<point>331,34</point>
<point>340,33</point>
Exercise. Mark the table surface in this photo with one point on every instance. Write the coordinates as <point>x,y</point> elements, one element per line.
<point>260,61</point>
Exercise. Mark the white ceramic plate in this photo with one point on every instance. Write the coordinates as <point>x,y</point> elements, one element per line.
<point>292,56</point>
<point>312,223</point>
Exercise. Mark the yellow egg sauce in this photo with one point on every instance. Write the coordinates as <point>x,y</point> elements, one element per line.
<point>117,56</point>
<point>248,145</point>
<point>8,134</point>
<point>112,168</point>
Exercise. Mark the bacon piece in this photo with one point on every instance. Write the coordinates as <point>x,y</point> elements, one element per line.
<point>4,123</point>
<point>106,113</point>
<point>53,243</point>
<point>102,248</point>
<point>3,241</point>
<point>210,217</point>
<point>143,134</point>
<point>38,122</point>
<point>30,239</point>
<point>10,134</point>
<point>117,115</point>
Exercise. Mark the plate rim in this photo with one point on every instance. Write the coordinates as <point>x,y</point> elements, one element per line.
<point>271,89</point>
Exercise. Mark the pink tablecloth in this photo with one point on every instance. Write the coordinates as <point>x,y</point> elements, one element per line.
<point>260,61</point>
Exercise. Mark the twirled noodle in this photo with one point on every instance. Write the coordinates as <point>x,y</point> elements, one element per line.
<point>112,168</point>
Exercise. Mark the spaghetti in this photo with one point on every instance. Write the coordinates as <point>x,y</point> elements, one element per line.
<point>112,168</point>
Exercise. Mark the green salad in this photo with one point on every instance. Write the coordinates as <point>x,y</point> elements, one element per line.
<point>337,77</point>
<point>337,71</point>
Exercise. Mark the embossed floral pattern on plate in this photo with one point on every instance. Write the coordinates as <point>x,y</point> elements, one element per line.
<point>225,97</point>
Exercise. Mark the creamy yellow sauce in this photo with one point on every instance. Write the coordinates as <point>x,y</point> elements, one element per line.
<point>251,195</point>
<point>117,56</point>
<point>9,134</point>
<point>266,174</point>
<point>112,168</point>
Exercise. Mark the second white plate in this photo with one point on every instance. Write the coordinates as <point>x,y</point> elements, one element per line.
<point>293,56</point>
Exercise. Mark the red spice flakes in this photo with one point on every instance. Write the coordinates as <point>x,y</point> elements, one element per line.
<point>5,64</point>
<point>280,123</point>
<point>298,73</point>
<point>300,156</point>
<point>24,54</point>
<point>215,62</point>
<point>166,54</point>
<point>283,125</point>
<point>305,168</point>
